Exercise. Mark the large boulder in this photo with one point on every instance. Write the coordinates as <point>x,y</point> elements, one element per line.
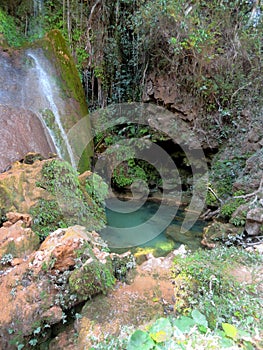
<point>52,193</point>
<point>254,222</point>
<point>70,266</point>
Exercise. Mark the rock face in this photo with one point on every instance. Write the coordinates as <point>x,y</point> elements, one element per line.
<point>254,222</point>
<point>68,267</point>
<point>16,237</point>
<point>219,231</point>
<point>21,132</point>
<point>41,95</point>
<point>164,89</point>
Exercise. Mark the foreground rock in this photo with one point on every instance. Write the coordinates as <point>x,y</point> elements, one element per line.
<point>148,295</point>
<point>69,267</point>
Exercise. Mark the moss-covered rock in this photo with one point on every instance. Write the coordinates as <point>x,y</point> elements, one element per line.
<point>70,266</point>
<point>51,192</point>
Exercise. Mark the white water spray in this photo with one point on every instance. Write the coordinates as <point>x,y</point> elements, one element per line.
<point>38,7</point>
<point>47,91</point>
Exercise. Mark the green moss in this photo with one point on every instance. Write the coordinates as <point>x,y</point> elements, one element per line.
<point>96,188</point>
<point>70,205</point>
<point>8,31</point>
<point>92,277</point>
<point>56,46</point>
<point>5,198</point>
<point>47,217</point>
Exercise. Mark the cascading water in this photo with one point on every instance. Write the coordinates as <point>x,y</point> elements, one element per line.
<point>46,87</point>
<point>38,7</point>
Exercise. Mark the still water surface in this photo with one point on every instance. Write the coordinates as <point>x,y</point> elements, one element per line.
<point>131,225</point>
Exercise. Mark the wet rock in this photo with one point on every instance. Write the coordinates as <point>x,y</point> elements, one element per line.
<point>26,107</point>
<point>254,222</point>
<point>21,132</point>
<point>187,238</point>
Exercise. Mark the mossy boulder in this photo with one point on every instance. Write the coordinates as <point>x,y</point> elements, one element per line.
<point>51,192</point>
<point>41,288</point>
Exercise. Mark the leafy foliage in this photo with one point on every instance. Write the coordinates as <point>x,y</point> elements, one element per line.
<point>217,294</point>
<point>223,174</point>
<point>96,188</point>
<point>180,333</point>
<point>231,205</point>
<point>8,28</point>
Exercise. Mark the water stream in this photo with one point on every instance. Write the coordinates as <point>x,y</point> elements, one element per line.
<point>167,239</point>
<point>47,89</point>
<point>38,7</point>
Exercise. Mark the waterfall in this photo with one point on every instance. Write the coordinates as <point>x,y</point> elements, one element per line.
<point>38,7</point>
<point>46,87</point>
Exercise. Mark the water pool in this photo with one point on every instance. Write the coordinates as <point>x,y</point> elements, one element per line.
<point>131,225</point>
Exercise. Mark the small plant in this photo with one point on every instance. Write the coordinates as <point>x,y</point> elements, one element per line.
<point>6,259</point>
<point>97,188</point>
<point>215,290</point>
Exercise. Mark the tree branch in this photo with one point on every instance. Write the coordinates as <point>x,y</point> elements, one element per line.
<point>253,193</point>
<point>215,195</point>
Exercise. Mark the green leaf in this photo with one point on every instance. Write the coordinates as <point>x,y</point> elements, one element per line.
<point>140,340</point>
<point>230,330</point>
<point>226,342</point>
<point>184,324</point>
<point>199,318</point>
<point>161,330</point>
<point>20,346</point>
